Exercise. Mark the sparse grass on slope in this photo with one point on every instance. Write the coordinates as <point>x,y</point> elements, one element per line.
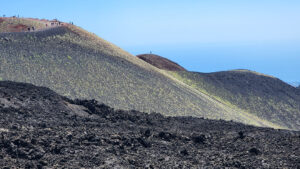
<point>264,96</point>
<point>78,64</point>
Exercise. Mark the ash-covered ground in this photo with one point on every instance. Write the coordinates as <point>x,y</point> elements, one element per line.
<point>41,129</point>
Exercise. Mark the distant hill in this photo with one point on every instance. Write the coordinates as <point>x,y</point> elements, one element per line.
<point>261,95</point>
<point>78,64</point>
<point>265,96</point>
<point>41,129</point>
<point>161,62</point>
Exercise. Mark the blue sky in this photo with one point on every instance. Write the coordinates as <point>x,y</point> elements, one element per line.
<point>204,36</point>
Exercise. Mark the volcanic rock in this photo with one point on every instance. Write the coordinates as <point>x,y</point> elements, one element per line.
<point>41,129</point>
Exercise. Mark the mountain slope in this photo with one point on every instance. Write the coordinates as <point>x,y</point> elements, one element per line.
<point>246,91</point>
<point>295,84</point>
<point>75,66</point>
<point>13,24</point>
<point>41,129</point>
<point>78,64</point>
<point>265,96</point>
<point>161,62</point>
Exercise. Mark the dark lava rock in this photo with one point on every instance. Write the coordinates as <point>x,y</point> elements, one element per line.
<point>184,152</point>
<point>147,133</point>
<point>166,136</point>
<point>144,142</point>
<point>241,135</point>
<point>254,151</point>
<point>199,139</point>
<point>41,129</point>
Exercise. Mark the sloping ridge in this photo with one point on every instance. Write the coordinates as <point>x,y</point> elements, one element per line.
<point>262,95</point>
<point>15,24</point>
<point>78,64</point>
<point>41,129</point>
<point>161,62</point>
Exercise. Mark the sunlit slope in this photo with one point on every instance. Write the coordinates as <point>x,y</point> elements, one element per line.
<point>78,64</point>
<point>14,24</point>
<point>264,96</point>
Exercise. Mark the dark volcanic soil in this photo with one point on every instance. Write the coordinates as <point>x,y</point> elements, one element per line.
<point>41,129</point>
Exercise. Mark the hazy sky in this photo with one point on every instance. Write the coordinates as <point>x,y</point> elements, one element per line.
<point>205,36</point>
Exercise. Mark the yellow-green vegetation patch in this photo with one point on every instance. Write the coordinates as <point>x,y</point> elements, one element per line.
<point>250,71</point>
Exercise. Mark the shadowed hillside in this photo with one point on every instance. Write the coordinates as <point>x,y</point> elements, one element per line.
<point>161,62</point>
<point>41,129</point>
<point>78,64</point>
<point>265,96</point>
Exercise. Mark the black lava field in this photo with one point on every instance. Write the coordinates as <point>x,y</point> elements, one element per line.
<point>41,129</point>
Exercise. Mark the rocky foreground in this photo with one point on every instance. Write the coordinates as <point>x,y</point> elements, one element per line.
<point>41,129</point>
